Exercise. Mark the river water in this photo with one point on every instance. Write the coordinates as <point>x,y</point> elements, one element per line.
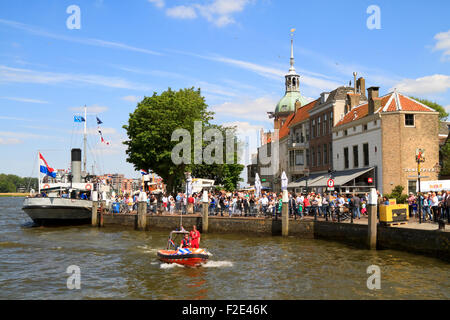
<point>120,263</point>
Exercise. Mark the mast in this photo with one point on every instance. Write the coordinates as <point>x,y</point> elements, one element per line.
<point>39,172</point>
<point>85,139</point>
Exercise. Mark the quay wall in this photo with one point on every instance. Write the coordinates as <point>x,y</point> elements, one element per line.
<point>427,242</point>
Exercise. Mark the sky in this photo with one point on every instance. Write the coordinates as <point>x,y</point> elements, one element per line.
<point>236,51</point>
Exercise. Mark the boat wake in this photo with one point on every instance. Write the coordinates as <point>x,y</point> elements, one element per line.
<point>217,264</point>
<point>208,264</point>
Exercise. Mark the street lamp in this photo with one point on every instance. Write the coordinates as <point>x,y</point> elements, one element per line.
<point>306,171</point>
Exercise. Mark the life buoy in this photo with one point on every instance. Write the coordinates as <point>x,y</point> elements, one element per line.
<point>46,186</point>
<point>88,187</point>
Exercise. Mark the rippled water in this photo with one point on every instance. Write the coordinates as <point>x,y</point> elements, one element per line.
<point>121,263</point>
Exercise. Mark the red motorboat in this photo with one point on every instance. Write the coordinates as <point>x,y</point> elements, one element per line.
<point>184,256</point>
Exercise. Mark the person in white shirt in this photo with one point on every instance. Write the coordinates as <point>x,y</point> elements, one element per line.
<point>434,205</point>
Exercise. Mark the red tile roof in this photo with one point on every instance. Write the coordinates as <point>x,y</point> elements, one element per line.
<point>393,101</point>
<point>300,115</point>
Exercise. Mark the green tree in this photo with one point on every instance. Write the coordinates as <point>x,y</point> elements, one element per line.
<point>150,129</point>
<point>397,194</point>
<point>227,175</point>
<point>442,113</point>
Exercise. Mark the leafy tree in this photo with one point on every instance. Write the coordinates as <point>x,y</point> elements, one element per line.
<point>397,194</point>
<point>445,156</point>
<point>442,113</point>
<point>150,129</point>
<point>227,175</point>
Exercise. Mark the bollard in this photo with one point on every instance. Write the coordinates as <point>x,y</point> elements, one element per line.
<point>94,212</point>
<point>102,211</point>
<point>285,215</point>
<point>142,211</point>
<point>372,226</point>
<point>441,223</point>
<point>94,218</point>
<point>205,212</point>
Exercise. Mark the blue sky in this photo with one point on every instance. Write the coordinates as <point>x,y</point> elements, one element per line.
<point>236,51</point>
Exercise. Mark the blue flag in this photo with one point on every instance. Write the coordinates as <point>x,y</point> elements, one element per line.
<point>78,119</point>
<point>99,121</point>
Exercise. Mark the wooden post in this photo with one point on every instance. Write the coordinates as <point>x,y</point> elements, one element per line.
<point>102,211</point>
<point>372,226</point>
<point>205,212</point>
<point>94,216</point>
<point>142,211</point>
<point>285,214</point>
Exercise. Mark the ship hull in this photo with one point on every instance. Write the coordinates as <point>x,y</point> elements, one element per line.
<point>58,211</point>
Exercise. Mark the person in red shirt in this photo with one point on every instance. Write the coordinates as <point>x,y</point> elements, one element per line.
<point>195,237</point>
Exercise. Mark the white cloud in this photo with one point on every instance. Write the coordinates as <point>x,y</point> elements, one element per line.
<point>133,99</point>
<point>243,126</point>
<point>25,100</point>
<point>157,3</point>
<point>87,41</point>
<point>9,75</point>
<point>218,12</point>
<point>4,141</point>
<point>181,12</point>
<point>443,44</point>
<point>14,119</point>
<point>90,109</point>
<point>255,109</point>
<point>436,83</point>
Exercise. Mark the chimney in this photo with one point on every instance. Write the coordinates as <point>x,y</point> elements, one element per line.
<point>298,105</point>
<point>354,81</point>
<point>374,100</point>
<point>353,100</point>
<point>361,85</point>
<point>76,165</point>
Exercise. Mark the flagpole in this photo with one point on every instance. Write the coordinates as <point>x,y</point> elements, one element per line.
<point>39,173</point>
<point>85,138</point>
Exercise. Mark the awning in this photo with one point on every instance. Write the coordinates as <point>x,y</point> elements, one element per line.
<point>342,177</point>
<point>320,180</point>
<point>302,181</point>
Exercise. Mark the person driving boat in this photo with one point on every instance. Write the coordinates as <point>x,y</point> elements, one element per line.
<point>185,243</point>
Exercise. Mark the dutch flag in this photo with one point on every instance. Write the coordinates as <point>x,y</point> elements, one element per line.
<point>45,168</point>
<point>143,172</point>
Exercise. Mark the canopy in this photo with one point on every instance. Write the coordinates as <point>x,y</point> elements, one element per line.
<point>320,180</point>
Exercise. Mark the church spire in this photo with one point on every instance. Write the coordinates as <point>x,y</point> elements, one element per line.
<point>292,78</point>
<point>292,56</point>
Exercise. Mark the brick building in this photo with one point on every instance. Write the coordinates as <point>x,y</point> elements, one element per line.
<point>378,140</point>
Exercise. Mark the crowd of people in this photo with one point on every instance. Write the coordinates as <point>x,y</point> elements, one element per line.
<point>245,203</point>
<point>433,205</point>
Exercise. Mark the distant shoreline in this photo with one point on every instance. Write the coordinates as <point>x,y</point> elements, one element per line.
<point>13,194</point>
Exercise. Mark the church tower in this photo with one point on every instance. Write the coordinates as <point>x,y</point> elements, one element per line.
<point>292,95</point>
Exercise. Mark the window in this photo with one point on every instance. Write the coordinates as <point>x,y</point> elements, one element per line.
<point>299,160</point>
<point>291,158</point>
<point>331,155</point>
<point>375,123</point>
<point>319,127</point>
<point>331,120</point>
<point>366,154</point>
<point>409,120</point>
<point>412,186</point>
<point>313,129</point>
<point>354,129</point>
<point>313,157</point>
<point>325,154</point>
<point>346,158</point>
<point>365,127</point>
<point>325,127</point>
<point>319,156</point>
<point>345,132</point>
<point>355,156</point>
<point>307,157</point>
